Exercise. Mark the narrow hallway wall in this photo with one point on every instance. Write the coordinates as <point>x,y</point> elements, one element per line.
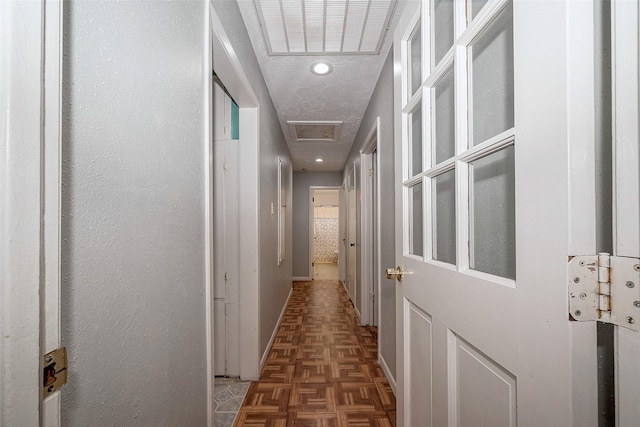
<point>133,213</point>
<point>381,105</point>
<point>275,280</point>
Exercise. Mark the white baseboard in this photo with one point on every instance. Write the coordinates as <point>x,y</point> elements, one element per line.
<point>301,279</point>
<point>387,373</point>
<point>344,285</point>
<point>275,332</point>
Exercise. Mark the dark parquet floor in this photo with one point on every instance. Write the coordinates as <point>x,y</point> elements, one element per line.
<point>322,369</point>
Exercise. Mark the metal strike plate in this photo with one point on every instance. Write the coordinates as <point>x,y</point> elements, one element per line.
<point>584,288</point>
<point>625,292</point>
<point>54,372</point>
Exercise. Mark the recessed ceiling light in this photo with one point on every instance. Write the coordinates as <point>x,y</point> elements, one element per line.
<point>319,160</point>
<point>321,68</point>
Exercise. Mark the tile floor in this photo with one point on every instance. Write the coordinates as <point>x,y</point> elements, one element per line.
<point>325,271</point>
<point>229,394</point>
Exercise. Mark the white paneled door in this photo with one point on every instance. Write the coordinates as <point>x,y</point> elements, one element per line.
<point>352,236</point>
<point>483,216</point>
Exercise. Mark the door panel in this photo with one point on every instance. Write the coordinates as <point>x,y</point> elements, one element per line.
<point>485,393</point>
<point>419,365</point>
<point>482,215</point>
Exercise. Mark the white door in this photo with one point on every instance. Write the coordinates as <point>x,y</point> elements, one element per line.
<point>352,236</point>
<point>483,216</point>
<point>626,178</point>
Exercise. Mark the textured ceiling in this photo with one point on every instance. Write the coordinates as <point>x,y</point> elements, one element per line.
<point>301,96</point>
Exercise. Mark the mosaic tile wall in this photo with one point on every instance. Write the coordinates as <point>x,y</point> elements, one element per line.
<point>326,240</point>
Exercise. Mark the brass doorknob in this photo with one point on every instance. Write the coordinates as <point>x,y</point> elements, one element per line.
<point>394,273</point>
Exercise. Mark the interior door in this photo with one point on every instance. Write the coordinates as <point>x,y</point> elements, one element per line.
<point>483,215</point>
<point>626,178</point>
<point>352,236</point>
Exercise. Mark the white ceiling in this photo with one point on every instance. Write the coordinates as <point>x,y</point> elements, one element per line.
<point>301,96</point>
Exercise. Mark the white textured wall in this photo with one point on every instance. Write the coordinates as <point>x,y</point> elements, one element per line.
<point>381,105</point>
<point>133,214</point>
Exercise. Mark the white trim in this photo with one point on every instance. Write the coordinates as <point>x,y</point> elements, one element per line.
<point>263,359</point>
<point>366,225</point>
<point>387,372</point>
<point>625,69</point>
<point>581,99</point>
<point>21,186</point>
<point>301,279</point>
<point>50,323</point>
<point>281,242</point>
<point>249,244</point>
<point>207,65</point>
<point>626,132</point>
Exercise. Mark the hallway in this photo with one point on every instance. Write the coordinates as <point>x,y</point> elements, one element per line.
<point>322,369</point>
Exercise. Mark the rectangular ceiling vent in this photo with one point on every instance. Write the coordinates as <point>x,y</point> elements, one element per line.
<point>335,27</point>
<point>315,131</point>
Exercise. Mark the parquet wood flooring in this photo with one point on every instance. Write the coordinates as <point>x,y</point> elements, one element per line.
<point>322,369</point>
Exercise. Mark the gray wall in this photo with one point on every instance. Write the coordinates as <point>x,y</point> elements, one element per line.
<point>133,251</point>
<point>275,280</point>
<point>381,105</point>
<point>301,183</point>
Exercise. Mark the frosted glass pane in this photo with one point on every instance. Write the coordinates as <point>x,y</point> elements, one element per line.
<point>415,67</point>
<point>476,6</point>
<point>416,246</point>
<point>416,141</point>
<point>492,73</point>
<point>444,217</point>
<point>493,219</point>
<point>445,118</point>
<point>442,28</point>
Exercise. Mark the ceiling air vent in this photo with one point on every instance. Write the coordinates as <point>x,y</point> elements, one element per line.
<point>316,131</point>
<point>336,27</point>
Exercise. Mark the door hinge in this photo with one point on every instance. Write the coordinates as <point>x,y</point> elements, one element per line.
<point>371,172</point>
<point>372,296</point>
<point>54,371</point>
<point>605,288</point>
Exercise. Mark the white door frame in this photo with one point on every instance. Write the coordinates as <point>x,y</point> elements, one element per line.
<point>352,282</point>
<point>22,184</point>
<point>231,73</point>
<point>50,332</point>
<point>625,35</point>
<point>368,251</point>
<point>312,222</point>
